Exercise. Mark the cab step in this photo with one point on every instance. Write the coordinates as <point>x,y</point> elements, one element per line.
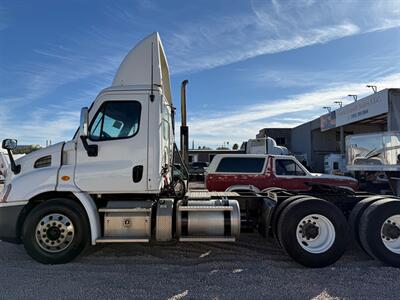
<point>207,239</point>
<point>104,240</point>
<point>123,210</point>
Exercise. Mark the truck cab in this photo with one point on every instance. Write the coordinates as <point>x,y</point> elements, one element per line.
<point>110,153</point>
<point>112,182</point>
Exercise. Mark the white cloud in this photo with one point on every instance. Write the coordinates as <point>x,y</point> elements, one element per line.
<point>212,41</point>
<point>243,123</point>
<point>273,27</point>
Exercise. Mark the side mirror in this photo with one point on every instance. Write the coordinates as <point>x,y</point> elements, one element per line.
<point>91,150</point>
<point>84,126</point>
<point>9,144</point>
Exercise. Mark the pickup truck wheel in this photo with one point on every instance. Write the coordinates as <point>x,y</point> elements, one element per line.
<point>278,211</point>
<point>355,216</point>
<point>313,232</point>
<point>380,231</point>
<point>55,231</point>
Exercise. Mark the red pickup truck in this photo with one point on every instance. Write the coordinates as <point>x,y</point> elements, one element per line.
<point>258,172</point>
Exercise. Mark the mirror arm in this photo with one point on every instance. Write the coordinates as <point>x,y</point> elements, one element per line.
<point>14,168</point>
<point>92,150</point>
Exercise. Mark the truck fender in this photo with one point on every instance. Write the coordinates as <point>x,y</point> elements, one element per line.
<point>249,187</point>
<point>93,216</point>
<point>346,188</point>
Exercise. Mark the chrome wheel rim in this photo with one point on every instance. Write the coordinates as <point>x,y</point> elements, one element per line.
<point>54,233</point>
<point>315,233</point>
<point>390,233</point>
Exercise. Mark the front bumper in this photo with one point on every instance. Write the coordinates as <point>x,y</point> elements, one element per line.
<point>9,216</point>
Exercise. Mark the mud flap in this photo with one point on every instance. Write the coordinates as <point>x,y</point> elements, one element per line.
<point>267,208</point>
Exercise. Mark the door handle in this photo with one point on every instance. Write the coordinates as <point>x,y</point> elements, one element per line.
<point>137,173</point>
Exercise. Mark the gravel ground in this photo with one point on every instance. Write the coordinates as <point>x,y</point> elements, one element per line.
<point>249,269</point>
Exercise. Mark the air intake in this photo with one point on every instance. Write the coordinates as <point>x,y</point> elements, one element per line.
<point>43,162</point>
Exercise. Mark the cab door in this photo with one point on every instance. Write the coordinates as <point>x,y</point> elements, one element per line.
<point>290,175</point>
<point>119,128</point>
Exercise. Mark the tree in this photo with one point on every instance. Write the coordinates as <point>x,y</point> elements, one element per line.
<point>235,146</point>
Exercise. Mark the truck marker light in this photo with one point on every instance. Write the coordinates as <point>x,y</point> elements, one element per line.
<point>4,194</point>
<point>65,178</point>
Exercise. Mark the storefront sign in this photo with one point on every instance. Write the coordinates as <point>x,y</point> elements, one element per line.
<point>371,106</point>
<point>328,121</point>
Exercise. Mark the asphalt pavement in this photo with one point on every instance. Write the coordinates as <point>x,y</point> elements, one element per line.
<point>249,269</point>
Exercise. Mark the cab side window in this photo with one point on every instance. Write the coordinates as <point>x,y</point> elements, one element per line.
<point>116,120</point>
<point>288,167</point>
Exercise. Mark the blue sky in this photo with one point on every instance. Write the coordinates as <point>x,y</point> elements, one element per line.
<point>250,64</point>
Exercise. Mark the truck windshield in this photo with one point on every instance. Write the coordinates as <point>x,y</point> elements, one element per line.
<point>116,119</point>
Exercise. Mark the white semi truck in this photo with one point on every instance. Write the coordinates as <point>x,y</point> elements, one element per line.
<point>112,184</point>
<point>266,145</point>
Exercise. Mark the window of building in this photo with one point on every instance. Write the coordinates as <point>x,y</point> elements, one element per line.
<point>116,120</point>
<point>288,167</point>
<point>241,165</point>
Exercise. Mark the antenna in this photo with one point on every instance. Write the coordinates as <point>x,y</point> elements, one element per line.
<point>152,70</point>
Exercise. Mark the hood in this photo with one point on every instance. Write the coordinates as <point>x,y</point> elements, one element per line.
<point>337,177</point>
<point>49,156</point>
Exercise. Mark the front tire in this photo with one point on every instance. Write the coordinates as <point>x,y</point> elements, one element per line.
<point>313,232</point>
<point>56,231</point>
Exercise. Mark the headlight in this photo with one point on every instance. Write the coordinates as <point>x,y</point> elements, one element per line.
<point>4,193</point>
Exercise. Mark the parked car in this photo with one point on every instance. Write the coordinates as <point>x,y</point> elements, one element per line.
<point>258,172</point>
<point>197,169</point>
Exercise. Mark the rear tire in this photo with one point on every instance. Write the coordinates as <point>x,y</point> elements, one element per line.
<point>380,231</point>
<point>56,231</point>
<point>355,216</point>
<point>313,232</point>
<point>277,213</point>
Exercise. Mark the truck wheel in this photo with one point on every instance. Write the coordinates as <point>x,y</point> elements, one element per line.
<point>355,216</point>
<point>380,231</point>
<point>313,232</point>
<point>278,211</point>
<point>56,231</point>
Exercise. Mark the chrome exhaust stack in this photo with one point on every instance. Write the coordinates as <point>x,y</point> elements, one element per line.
<point>184,142</point>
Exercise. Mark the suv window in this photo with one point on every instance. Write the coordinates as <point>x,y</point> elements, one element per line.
<point>288,167</point>
<point>241,165</point>
<point>116,120</point>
